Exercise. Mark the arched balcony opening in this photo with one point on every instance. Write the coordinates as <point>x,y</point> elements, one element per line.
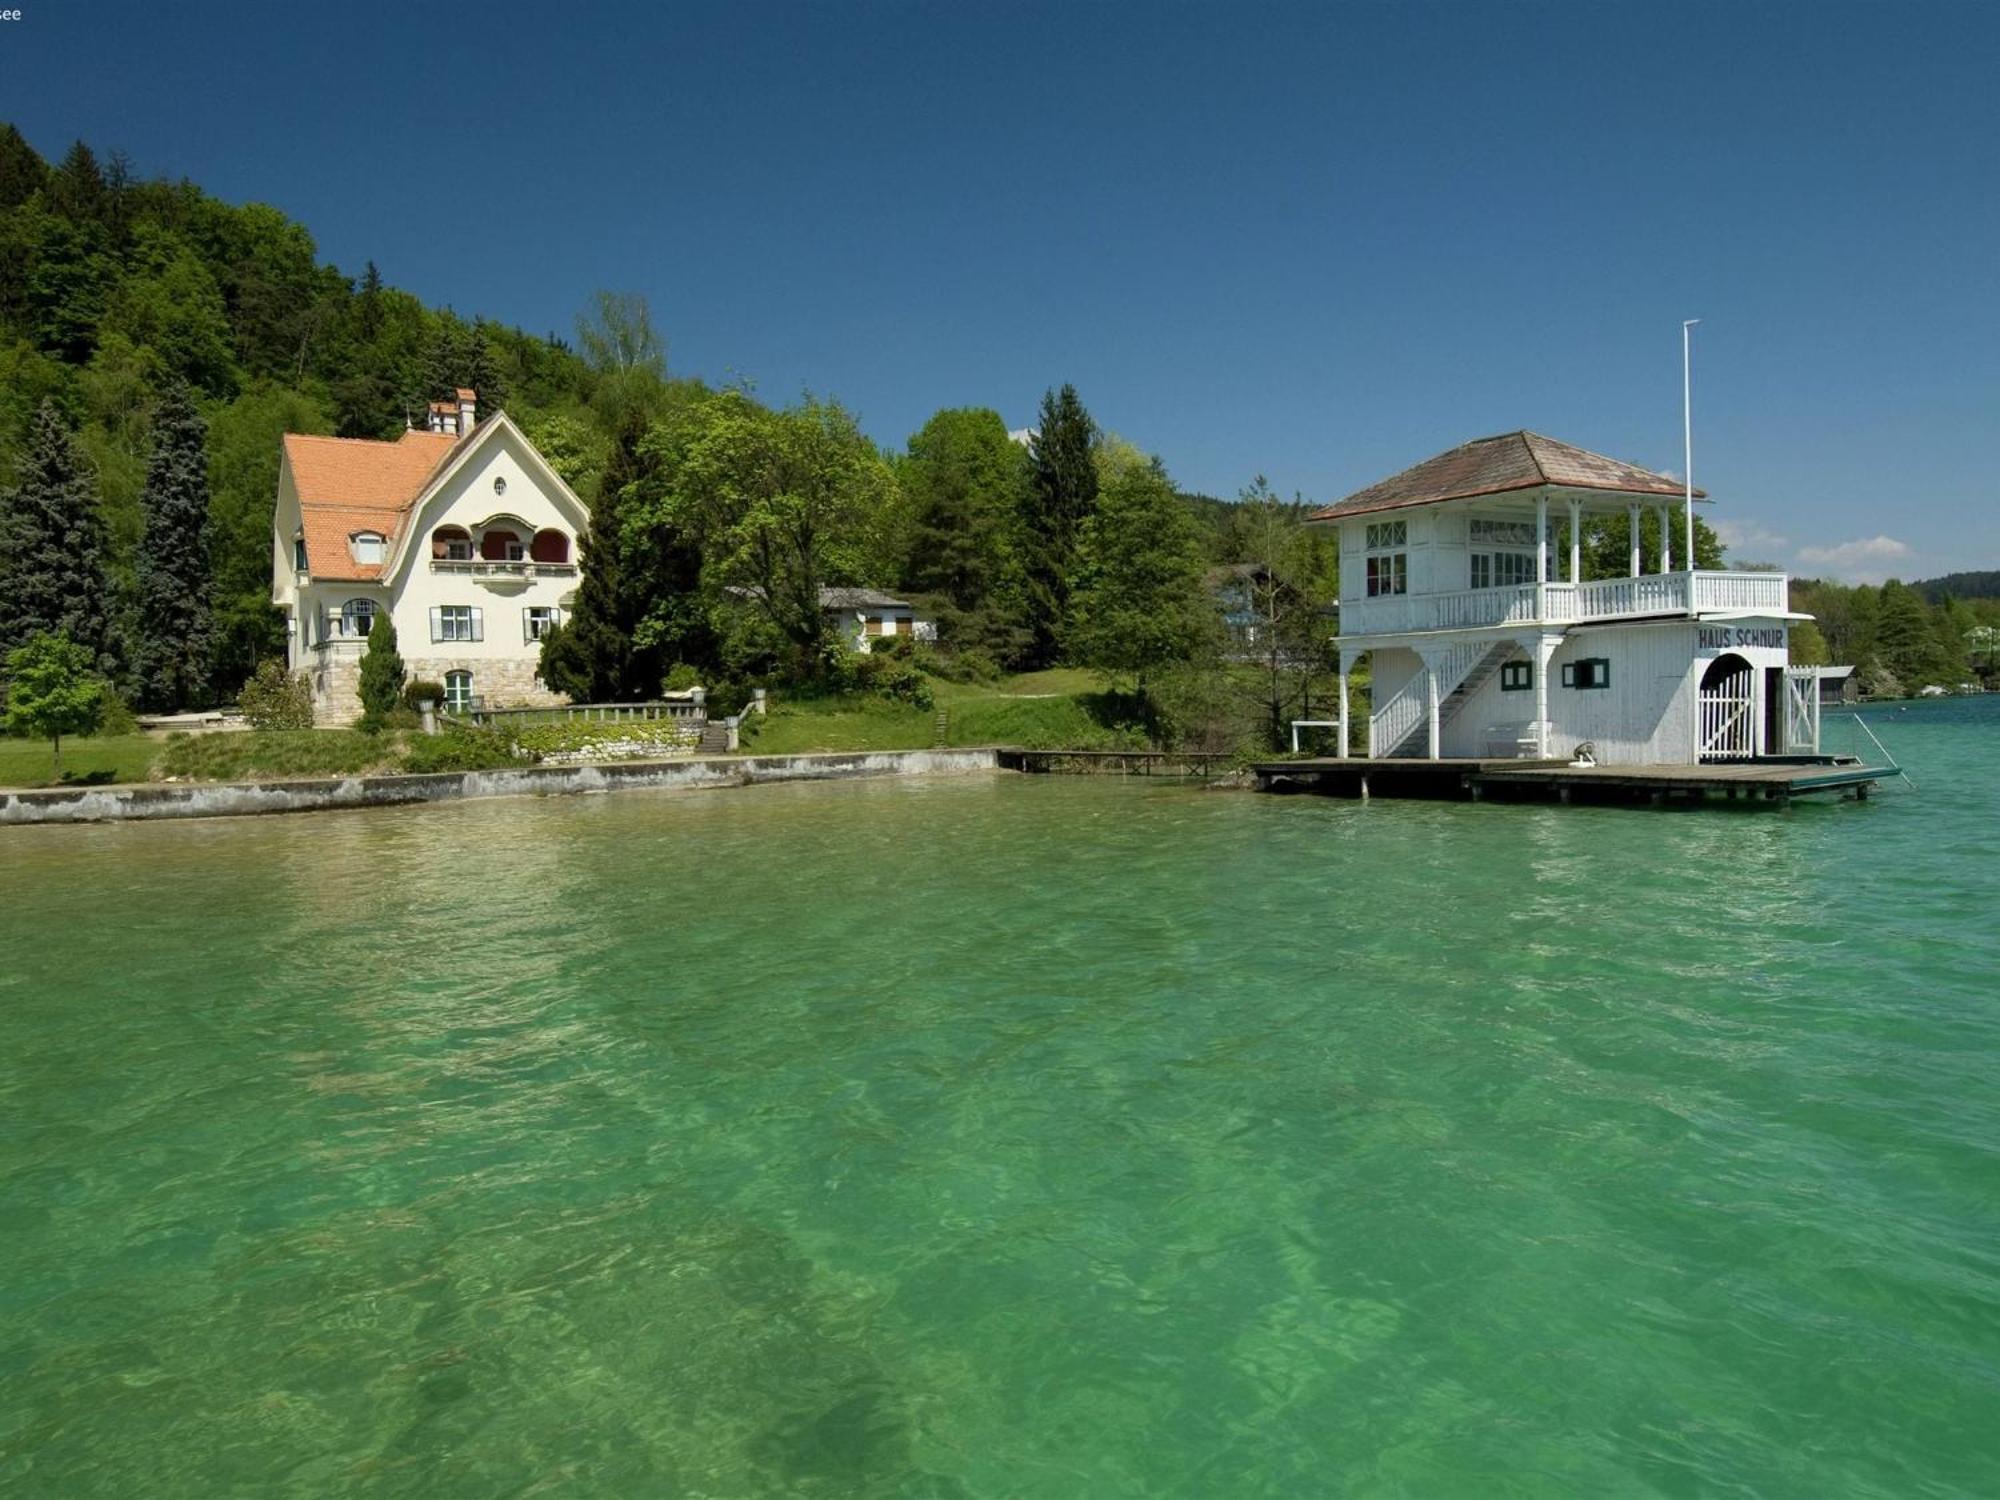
<point>451,544</point>
<point>502,544</point>
<point>550,546</point>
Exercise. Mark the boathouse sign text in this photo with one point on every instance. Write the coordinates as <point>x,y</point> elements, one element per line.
<point>1721,637</point>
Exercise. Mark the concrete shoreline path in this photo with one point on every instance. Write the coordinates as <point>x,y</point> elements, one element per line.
<point>197,799</point>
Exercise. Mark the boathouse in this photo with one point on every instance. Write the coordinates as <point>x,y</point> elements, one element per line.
<point>1464,583</point>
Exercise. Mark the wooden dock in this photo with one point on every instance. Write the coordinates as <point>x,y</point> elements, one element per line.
<point>1775,780</point>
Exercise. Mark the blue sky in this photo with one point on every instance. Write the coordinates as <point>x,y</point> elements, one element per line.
<point>1318,242</point>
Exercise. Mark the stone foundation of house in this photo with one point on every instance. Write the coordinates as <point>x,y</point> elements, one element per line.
<point>496,683</point>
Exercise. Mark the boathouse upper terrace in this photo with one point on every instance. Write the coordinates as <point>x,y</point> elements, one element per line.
<point>1472,540</point>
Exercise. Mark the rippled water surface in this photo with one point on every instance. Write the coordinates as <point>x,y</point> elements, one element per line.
<point>1009,1136</point>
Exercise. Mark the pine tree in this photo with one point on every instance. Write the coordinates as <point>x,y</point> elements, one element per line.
<point>52,548</point>
<point>173,647</point>
<point>22,171</point>
<point>1062,494</point>
<point>592,657</point>
<point>382,673</point>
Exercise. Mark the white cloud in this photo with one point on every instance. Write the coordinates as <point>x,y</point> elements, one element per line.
<point>1864,560</point>
<point>1750,541</point>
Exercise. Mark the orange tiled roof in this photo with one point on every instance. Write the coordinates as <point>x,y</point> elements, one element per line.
<point>347,485</point>
<point>1495,465</point>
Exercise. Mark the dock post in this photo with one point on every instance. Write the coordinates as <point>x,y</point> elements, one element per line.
<point>1364,788</point>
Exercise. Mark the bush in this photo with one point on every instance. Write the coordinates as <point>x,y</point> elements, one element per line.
<point>464,749</point>
<point>680,677</point>
<point>887,677</point>
<point>118,717</point>
<point>276,699</point>
<point>417,689</point>
<point>381,685</point>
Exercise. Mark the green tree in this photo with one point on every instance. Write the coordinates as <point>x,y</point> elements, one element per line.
<point>52,564</point>
<point>382,673</point>
<point>592,657</point>
<point>1142,602</point>
<point>1061,495</point>
<point>784,502</point>
<point>964,482</point>
<point>174,640</point>
<point>52,691</point>
<point>23,173</point>
<point>1907,640</point>
<point>1807,645</point>
<point>1281,593</point>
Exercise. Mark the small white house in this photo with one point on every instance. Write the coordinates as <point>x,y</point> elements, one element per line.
<point>863,616</point>
<point>1484,642</point>
<point>461,533</point>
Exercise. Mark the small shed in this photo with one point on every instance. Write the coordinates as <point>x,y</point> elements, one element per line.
<point>1838,685</point>
<point>863,616</point>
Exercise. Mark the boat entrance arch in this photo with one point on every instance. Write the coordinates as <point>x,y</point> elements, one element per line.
<point>1728,720</point>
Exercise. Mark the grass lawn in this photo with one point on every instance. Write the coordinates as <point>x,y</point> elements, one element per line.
<point>278,753</point>
<point>1060,709</point>
<point>26,763</point>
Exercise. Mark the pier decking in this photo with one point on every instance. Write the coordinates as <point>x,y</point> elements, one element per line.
<point>1773,780</point>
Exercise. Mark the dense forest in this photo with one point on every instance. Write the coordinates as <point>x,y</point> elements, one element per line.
<point>155,343</point>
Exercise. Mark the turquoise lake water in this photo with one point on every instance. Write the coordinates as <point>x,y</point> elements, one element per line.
<point>1010,1136</point>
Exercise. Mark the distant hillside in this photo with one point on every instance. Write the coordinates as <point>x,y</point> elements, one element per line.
<point>1960,586</point>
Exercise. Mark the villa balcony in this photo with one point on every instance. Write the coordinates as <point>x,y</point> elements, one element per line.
<point>513,569</point>
<point>1646,596</point>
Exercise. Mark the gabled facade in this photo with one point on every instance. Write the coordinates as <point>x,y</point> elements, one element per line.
<point>461,533</point>
<point>1485,639</point>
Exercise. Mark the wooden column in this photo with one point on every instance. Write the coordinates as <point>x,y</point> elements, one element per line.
<point>1431,704</point>
<point>1545,650</point>
<point>1576,541</point>
<point>1634,512</point>
<point>1346,666</point>
<point>1541,556</point>
<point>1666,543</point>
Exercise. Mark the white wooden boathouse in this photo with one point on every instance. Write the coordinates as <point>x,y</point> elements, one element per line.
<point>1463,582</point>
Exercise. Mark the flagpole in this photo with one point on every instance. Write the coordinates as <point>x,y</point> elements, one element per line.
<point>1687,440</point>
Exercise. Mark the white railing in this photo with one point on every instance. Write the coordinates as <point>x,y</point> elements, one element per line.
<point>1728,722</point>
<point>1396,720</point>
<point>1754,592</point>
<point>481,567</point>
<point>1566,603</point>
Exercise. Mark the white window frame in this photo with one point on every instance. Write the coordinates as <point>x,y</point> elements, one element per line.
<point>465,623</point>
<point>360,608</point>
<point>457,690</point>
<point>1386,572</point>
<point>361,542</point>
<point>552,617</point>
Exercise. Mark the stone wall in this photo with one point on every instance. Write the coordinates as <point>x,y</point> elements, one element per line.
<point>507,683</point>
<point>231,799</point>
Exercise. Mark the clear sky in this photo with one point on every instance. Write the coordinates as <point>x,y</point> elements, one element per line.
<point>1318,242</point>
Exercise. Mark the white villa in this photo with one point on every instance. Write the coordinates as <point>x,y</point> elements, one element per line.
<point>1484,642</point>
<point>462,533</point>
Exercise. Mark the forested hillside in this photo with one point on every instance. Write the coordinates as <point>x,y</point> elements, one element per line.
<point>114,288</point>
<point>156,342</point>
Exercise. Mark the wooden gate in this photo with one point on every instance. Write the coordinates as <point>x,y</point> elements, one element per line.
<point>1802,710</point>
<point>1728,710</point>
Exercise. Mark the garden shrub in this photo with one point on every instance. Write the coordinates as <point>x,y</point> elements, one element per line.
<point>464,749</point>
<point>276,699</point>
<point>417,689</point>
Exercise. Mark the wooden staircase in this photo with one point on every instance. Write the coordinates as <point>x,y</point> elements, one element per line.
<point>1453,695</point>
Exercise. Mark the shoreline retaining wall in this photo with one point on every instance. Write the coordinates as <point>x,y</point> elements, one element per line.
<point>111,804</point>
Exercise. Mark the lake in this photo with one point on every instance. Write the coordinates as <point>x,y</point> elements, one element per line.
<point>1010,1136</point>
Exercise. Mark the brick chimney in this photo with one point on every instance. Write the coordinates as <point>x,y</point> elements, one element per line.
<point>468,410</point>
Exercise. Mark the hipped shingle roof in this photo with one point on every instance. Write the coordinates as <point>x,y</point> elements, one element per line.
<point>1497,465</point>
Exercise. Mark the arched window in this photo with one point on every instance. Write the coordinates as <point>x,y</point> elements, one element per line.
<point>357,618</point>
<point>368,546</point>
<point>550,547</point>
<point>451,544</point>
<point>458,692</point>
<point>501,545</point>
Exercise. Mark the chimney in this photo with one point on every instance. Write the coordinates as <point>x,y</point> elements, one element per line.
<point>468,408</point>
